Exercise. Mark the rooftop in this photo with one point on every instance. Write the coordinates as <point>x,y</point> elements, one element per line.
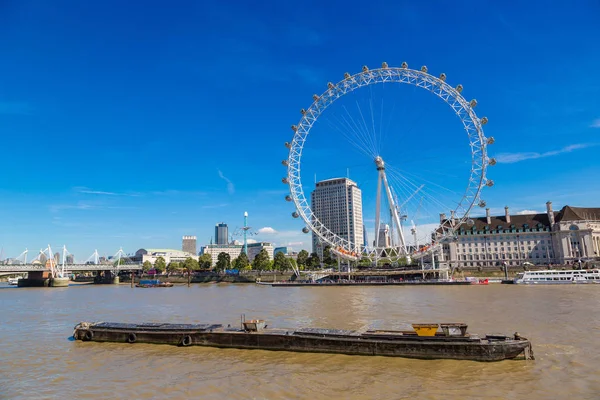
<point>341,181</point>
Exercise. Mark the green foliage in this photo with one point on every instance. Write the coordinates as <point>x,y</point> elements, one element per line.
<point>242,263</point>
<point>328,258</point>
<point>302,258</point>
<point>313,261</point>
<point>280,262</point>
<point>205,261</point>
<point>261,261</point>
<point>223,261</point>
<point>147,265</point>
<point>173,266</point>
<point>190,264</point>
<point>160,264</point>
<point>365,262</point>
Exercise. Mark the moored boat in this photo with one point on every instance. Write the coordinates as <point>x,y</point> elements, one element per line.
<point>558,277</point>
<point>13,281</point>
<point>151,283</point>
<point>425,341</point>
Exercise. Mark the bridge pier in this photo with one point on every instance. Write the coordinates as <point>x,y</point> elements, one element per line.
<point>107,277</point>
<point>35,279</point>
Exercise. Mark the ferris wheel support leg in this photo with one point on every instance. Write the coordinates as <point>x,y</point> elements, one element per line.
<point>377,212</point>
<point>394,212</point>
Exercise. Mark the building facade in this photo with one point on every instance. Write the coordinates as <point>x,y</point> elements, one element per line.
<point>569,236</point>
<point>234,250</point>
<point>337,204</point>
<point>188,244</point>
<point>221,233</point>
<point>169,255</point>
<point>384,236</point>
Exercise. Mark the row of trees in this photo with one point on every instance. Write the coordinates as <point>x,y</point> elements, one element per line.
<point>261,262</point>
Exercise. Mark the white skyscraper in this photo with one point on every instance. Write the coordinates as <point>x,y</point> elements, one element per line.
<point>337,203</point>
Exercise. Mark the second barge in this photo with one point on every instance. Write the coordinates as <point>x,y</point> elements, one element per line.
<point>426,341</point>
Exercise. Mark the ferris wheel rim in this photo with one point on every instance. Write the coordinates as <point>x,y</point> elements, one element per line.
<point>419,78</point>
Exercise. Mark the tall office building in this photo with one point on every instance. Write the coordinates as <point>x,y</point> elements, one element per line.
<point>70,259</point>
<point>221,233</point>
<point>188,244</point>
<point>337,203</point>
<point>56,258</point>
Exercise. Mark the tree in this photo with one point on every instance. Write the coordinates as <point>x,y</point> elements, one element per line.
<point>280,262</point>
<point>223,261</point>
<point>146,266</point>
<point>190,264</point>
<point>313,261</point>
<point>173,266</point>
<point>160,265</point>
<point>242,263</point>
<point>328,258</point>
<point>205,261</point>
<point>302,258</point>
<point>261,261</point>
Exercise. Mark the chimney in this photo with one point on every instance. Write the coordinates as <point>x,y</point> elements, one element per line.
<point>442,218</point>
<point>550,212</point>
<point>506,214</point>
<point>452,219</point>
<point>487,216</point>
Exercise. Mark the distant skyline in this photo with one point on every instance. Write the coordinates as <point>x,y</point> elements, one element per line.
<point>132,124</point>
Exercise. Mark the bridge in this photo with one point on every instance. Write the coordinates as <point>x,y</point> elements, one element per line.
<point>20,268</point>
<point>45,270</point>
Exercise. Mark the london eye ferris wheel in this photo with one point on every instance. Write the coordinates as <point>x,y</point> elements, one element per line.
<point>420,176</point>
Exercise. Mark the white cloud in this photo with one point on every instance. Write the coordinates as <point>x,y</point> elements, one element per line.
<point>267,230</point>
<point>595,124</point>
<point>525,212</point>
<point>251,241</point>
<point>230,186</point>
<point>215,205</point>
<point>510,158</point>
<point>85,190</point>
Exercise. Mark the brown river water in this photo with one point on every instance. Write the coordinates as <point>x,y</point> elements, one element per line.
<point>39,361</point>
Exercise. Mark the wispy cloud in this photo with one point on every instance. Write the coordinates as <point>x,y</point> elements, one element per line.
<point>15,108</point>
<point>79,206</point>
<point>230,186</point>
<point>595,123</point>
<point>509,158</point>
<point>86,190</point>
<point>216,205</point>
<point>525,212</point>
<point>267,230</point>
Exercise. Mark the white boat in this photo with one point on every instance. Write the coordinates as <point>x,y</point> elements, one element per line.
<point>557,277</point>
<point>13,281</point>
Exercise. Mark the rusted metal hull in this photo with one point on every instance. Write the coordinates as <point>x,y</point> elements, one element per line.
<point>397,345</point>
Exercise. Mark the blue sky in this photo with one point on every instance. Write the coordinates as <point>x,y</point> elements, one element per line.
<point>130,124</point>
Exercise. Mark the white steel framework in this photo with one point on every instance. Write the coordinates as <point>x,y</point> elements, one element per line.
<point>420,78</point>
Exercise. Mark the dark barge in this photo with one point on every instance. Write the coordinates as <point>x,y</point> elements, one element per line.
<point>427,341</point>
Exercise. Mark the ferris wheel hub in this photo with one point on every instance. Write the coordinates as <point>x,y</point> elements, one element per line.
<point>379,163</point>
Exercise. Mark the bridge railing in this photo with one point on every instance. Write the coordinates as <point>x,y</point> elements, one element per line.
<point>72,267</point>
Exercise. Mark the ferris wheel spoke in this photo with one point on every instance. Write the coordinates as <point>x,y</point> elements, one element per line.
<point>366,132</point>
<point>426,193</point>
<point>359,132</point>
<point>406,173</point>
<point>352,139</point>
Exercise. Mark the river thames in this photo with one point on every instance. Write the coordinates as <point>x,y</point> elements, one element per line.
<point>40,361</point>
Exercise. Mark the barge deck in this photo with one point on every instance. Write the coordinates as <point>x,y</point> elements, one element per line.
<point>425,342</point>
